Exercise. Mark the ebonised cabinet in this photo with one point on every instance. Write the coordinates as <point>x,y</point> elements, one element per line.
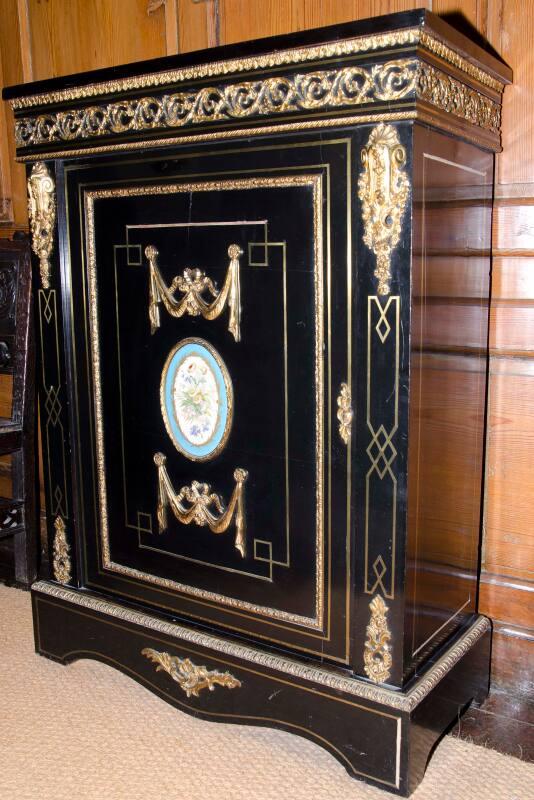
<point>262,278</point>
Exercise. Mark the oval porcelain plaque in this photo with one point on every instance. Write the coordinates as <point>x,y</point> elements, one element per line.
<point>196,399</point>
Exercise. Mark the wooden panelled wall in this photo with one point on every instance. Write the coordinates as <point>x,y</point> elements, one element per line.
<point>44,38</point>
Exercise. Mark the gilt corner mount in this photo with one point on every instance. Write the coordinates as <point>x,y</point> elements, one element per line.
<point>383,188</point>
<point>42,214</point>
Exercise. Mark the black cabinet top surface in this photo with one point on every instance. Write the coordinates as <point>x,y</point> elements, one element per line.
<point>376,25</point>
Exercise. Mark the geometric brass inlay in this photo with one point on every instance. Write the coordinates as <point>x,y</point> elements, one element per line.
<point>205,507</point>
<point>383,189</point>
<point>61,559</point>
<point>52,406</point>
<point>383,327</point>
<point>377,656</point>
<point>188,676</point>
<point>193,283</point>
<point>42,215</point>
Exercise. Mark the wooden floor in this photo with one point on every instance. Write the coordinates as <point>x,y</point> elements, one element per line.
<point>505,722</point>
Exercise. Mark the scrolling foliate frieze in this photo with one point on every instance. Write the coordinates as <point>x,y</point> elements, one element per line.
<point>345,87</point>
<point>42,216</point>
<point>456,98</point>
<point>310,91</point>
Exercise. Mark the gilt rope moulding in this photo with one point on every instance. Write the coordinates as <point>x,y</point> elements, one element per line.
<point>269,289</point>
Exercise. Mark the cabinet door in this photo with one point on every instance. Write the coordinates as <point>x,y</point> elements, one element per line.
<point>209,310</point>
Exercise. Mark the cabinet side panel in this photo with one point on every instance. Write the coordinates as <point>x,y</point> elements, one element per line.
<point>450,288</point>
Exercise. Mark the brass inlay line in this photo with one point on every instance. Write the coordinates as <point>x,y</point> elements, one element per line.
<point>337,49</point>
<point>42,216</point>
<point>202,502</point>
<point>193,284</point>
<point>61,561</point>
<point>377,654</point>
<point>188,676</point>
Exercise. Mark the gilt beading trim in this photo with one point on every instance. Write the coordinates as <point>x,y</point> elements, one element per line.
<point>299,669</point>
<point>302,55</point>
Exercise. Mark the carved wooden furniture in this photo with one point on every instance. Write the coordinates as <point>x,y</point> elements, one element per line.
<point>17,358</point>
<point>263,290</point>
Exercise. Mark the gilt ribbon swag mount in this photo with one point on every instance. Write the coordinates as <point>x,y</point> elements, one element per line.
<point>195,288</point>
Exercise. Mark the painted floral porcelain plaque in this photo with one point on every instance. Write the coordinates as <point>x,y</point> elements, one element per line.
<point>196,399</point>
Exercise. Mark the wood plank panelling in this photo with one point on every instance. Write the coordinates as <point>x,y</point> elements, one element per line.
<point>509,544</point>
<point>13,72</point>
<point>71,35</point>
<point>511,32</point>
<point>77,35</point>
<point>518,596</point>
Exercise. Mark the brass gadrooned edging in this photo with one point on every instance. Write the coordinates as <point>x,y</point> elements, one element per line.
<point>300,670</point>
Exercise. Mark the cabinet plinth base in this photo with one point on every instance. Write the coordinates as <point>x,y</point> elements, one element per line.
<point>381,736</point>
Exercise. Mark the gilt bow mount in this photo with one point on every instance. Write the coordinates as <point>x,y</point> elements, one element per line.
<point>199,294</point>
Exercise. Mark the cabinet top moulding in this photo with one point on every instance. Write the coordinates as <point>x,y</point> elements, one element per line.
<point>410,65</point>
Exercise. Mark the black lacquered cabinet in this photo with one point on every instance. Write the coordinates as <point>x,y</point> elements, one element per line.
<point>262,275</point>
